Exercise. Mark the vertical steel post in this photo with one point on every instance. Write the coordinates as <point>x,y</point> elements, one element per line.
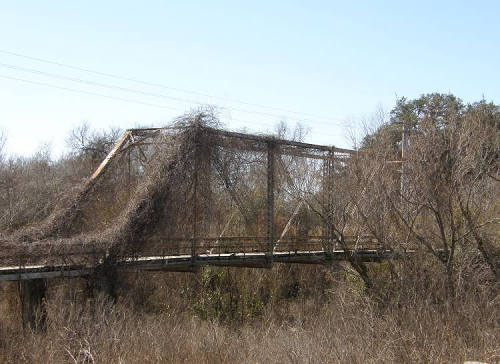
<point>270,200</point>
<point>328,169</point>
<point>195,197</point>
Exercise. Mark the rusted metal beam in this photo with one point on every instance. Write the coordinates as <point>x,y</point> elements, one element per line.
<point>270,197</point>
<point>184,262</point>
<point>289,223</point>
<point>264,139</point>
<point>277,141</point>
<point>105,163</point>
<point>328,173</point>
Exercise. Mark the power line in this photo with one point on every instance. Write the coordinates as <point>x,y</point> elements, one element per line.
<point>167,87</point>
<point>44,84</point>
<point>136,91</point>
<point>74,79</point>
<point>124,89</point>
<point>246,122</point>
<point>113,97</point>
<point>87,92</point>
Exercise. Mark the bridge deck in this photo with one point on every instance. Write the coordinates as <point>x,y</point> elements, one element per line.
<point>187,263</point>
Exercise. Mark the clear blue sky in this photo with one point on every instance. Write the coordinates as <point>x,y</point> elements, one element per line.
<point>336,59</point>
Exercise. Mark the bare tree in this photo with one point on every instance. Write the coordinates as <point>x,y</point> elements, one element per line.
<point>92,145</point>
<point>448,198</point>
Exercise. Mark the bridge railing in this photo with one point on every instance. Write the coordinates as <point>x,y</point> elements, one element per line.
<point>207,246</point>
<point>251,244</point>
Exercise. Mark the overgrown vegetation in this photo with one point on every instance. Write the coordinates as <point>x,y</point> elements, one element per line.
<point>440,304</point>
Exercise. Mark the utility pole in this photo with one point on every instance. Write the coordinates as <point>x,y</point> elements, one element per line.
<point>404,147</point>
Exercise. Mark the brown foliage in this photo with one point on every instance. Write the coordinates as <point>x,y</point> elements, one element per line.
<point>440,304</point>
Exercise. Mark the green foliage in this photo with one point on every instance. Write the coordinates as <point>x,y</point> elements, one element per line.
<point>435,106</point>
<point>224,299</point>
<point>436,109</point>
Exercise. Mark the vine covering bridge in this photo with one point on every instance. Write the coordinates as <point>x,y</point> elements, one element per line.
<point>179,197</point>
<point>188,195</point>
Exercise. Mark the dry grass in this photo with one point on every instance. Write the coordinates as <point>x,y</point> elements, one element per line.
<point>425,309</point>
<point>345,326</point>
